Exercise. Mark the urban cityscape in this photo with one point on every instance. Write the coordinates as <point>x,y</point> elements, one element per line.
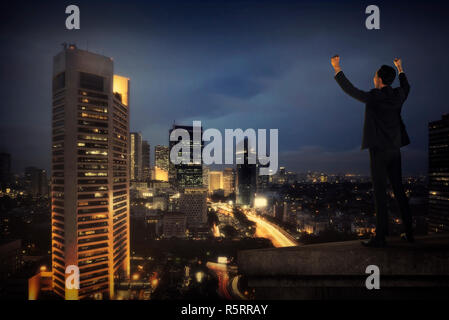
<point>95,204</point>
<point>145,231</point>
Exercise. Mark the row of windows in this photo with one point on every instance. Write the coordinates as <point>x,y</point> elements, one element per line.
<point>92,116</point>
<point>92,130</point>
<point>92,167</point>
<point>90,189</point>
<point>93,101</point>
<point>92,181</point>
<point>92,232</point>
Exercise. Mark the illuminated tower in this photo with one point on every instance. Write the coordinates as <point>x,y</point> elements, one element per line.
<point>187,175</point>
<point>90,177</point>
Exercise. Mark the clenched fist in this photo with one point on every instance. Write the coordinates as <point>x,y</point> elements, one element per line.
<point>335,61</point>
<point>398,64</point>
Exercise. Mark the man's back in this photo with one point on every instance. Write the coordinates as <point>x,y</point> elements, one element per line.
<point>383,127</point>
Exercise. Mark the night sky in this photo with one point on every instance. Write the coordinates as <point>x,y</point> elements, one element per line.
<point>232,64</point>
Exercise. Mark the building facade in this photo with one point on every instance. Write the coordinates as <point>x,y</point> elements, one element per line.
<point>439,175</point>
<point>146,169</point>
<point>36,181</point>
<point>187,175</point>
<point>193,202</point>
<point>228,181</point>
<point>135,156</point>
<point>215,181</point>
<point>246,175</point>
<point>90,175</point>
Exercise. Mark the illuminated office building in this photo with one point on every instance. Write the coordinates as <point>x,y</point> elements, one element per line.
<point>162,157</point>
<point>228,181</point>
<point>161,161</point>
<point>439,175</point>
<point>191,174</point>
<point>215,180</point>
<point>90,175</point>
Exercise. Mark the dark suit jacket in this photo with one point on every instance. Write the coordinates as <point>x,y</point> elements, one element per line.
<point>383,128</point>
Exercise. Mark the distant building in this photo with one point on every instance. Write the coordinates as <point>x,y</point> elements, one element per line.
<point>11,257</point>
<point>191,174</point>
<point>228,181</point>
<point>162,157</point>
<point>439,175</point>
<point>5,169</point>
<point>193,202</point>
<point>174,225</point>
<point>246,175</point>
<point>135,156</point>
<point>36,181</point>
<point>206,171</point>
<point>146,170</point>
<point>215,180</point>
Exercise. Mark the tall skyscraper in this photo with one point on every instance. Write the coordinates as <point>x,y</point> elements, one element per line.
<point>146,172</point>
<point>187,175</point>
<point>228,181</point>
<point>5,169</point>
<point>246,175</point>
<point>135,156</point>
<point>161,161</point>
<point>215,180</point>
<point>439,175</point>
<point>90,175</point>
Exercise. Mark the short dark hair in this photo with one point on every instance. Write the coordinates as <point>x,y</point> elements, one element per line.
<point>387,74</point>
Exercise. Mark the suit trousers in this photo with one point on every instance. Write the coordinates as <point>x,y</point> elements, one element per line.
<point>386,164</point>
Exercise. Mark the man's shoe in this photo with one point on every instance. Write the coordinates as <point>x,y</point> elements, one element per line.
<point>408,236</point>
<point>374,243</point>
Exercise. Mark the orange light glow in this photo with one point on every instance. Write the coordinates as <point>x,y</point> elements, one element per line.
<point>121,86</point>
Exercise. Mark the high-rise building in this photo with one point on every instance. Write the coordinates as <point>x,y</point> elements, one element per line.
<point>439,175</point>
<point>135,156</point>
<point>5,169</point>
<point>36,181</point>
<point>228,181</point>
<point>146,171</point>
<point>193,202</point>
<point>90,173</point>
<point>161,157</point>
<point>246,175</point>
<point>161,161</point>
<point>215,180</point>
<point>191,174</point>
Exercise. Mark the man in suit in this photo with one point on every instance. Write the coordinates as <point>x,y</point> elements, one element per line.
<point>383,134</point>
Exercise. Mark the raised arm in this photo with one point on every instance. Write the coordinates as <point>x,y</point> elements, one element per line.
<point>402,78</point>
<point>345,84</point>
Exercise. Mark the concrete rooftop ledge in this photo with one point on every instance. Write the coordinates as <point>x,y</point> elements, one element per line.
<point>337,269</point>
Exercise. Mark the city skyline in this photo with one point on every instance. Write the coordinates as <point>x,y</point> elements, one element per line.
<point>250,70</point>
